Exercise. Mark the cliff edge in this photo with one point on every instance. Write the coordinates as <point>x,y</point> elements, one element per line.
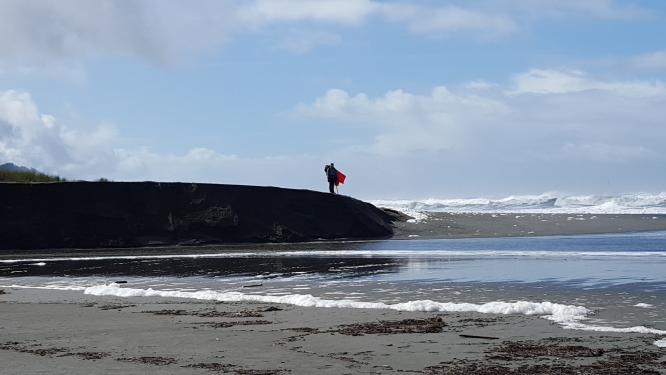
<point>133,214</point>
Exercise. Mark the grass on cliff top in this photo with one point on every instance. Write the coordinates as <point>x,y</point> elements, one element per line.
<point>34,176</point>
<point>28,176</point>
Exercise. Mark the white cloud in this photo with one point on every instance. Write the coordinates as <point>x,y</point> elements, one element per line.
<point>37,140</point>
<point>259,13</point>
<point>539,81</point>
<point>570,115</point>
<point>52,35</point>
<point>478,138</point>
<point>89,151</point>
<point>408,122</point>
<point>569,8</point>
<point>547,129</point>
<point>438,21</point>
<point>654,60</point>
<point>447,20</point>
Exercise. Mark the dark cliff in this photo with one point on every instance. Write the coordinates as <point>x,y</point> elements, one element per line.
<point>133,214</point>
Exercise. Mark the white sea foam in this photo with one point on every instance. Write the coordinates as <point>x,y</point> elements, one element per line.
<point>640,203</point>
<point>132,257</point>
<point>368,253</point>
<point>47,287</point>
<point>644,305</point>
<point>564,313</point>
<point>587,327</point>
<point>661,343</point>
<point>568,316</point>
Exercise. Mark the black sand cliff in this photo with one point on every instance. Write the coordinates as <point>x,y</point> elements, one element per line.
<point>133,214</point>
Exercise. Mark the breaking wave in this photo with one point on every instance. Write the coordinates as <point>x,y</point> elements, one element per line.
<point>640,203</point>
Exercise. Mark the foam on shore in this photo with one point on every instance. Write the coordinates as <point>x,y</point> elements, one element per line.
<point>560,312</point>
<point>568,316</point>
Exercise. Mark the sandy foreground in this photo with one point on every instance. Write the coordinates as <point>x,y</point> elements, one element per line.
<point>68,332</point>
<point>466,225</point>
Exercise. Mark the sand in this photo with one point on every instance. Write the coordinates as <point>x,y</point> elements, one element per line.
<point>68,332</point>
<point>466,225</point>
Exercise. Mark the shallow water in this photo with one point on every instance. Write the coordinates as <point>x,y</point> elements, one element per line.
<point>582,261</point>
<point>610,272</point>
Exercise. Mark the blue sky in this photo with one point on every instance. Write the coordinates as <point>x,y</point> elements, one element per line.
<point>411,99</point>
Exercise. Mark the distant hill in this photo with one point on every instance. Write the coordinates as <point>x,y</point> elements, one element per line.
<point>10,172</point>
<point>14,167</point>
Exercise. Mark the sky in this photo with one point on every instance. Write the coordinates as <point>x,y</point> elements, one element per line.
<point>411,99</point>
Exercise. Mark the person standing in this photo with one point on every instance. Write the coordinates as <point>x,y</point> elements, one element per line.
<point>332,175</point>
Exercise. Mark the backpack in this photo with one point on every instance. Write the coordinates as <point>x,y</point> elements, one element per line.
<point>332,172</point>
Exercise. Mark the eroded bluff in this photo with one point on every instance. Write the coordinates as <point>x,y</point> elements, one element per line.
<point>133,214</point>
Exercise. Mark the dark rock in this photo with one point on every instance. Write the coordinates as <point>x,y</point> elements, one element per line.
<point>395,215</point>
<point>133,214</point>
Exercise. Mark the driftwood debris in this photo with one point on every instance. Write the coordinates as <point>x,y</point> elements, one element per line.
<point>253,285</point>
<point>480,337</point>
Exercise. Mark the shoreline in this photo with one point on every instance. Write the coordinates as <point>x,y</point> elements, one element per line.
<point>51,331</point>
<point>57,331</point>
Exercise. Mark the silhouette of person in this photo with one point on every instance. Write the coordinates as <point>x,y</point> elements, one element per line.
<point>332,175</point>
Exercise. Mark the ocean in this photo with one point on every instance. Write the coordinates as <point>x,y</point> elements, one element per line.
<point>604,282</point>
<point>547,203</point>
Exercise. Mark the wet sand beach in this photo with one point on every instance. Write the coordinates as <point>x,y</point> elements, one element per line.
<point>467,225</point>
<point>67,332</point>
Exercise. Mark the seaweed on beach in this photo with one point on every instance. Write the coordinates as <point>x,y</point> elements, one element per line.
<point>620,362</point>
<point>215,367</point>
<point>2,291</point>
<point>43,352</point>
<point>226,314</point>
<point>210,314</point>
<point>597,368</point>
<point>114,307</point>
<point>530,350</point>
<point>429,325</point>
<point>86,355</point>
<point>305,329</point>
<point>260,372</point>
<point>158,361</point>
<point>231,324</point>
<point>239,370</point>
<point>167,312</point>
<point>16,346</point>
